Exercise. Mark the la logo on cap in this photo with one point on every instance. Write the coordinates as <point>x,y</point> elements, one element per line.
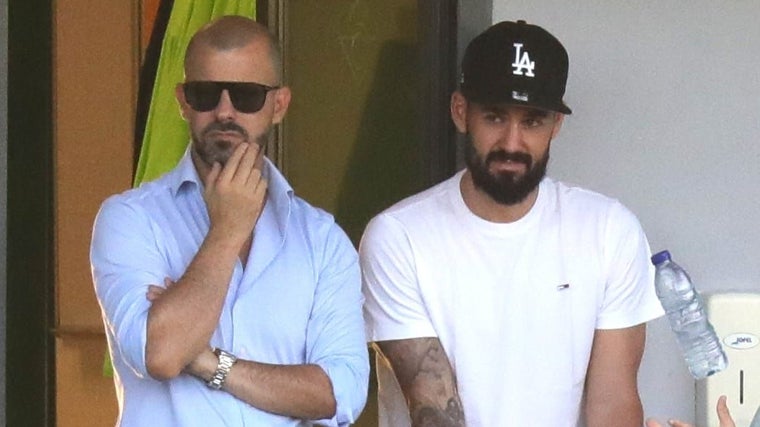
<point>522,65</point>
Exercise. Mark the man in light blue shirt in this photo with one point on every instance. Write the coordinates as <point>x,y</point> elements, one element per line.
<point>227,300</point>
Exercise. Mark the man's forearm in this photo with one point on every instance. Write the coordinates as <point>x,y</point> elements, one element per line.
<point>611,394</point>
<point>626,412</point>
<point>182,320</point>
<point>297,391</point>
<point>427,381</point>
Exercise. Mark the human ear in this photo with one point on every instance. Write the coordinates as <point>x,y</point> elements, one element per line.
<point>558,120</point>
<point>459,111</point>
<point>281,103</point>
<point>184,107</point>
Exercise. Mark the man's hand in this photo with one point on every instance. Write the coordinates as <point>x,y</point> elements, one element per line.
<point>155,291</point>
<point>235,194</point>
<point>724,416</point>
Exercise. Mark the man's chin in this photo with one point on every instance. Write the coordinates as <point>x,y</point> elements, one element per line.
<point>218,157</point>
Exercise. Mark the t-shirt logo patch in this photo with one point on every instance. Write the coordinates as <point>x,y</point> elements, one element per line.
<point>522,65</point>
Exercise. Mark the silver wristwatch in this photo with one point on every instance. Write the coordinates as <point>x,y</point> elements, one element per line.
<point>226,360</point>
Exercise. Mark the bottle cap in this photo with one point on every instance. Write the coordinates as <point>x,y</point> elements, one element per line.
<point>660,257</point>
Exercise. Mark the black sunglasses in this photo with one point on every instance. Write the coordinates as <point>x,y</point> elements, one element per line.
<point>246,97</point>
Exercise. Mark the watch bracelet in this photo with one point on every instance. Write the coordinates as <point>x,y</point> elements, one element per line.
<point>224,364</point>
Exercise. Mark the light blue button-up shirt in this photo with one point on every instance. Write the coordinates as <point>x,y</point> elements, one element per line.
<point>297,301</point>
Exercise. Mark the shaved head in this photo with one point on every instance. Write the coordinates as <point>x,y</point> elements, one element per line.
<point>228,33</point>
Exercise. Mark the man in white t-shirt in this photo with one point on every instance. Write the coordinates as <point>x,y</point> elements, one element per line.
<point>501,297</point>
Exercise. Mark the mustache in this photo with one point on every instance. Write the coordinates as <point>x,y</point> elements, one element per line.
<point>225,127</point>
<point>503,156</point>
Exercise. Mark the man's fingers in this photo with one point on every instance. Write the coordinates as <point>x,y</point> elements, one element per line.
<point>154,292</point>
<point>651,422</point>
<point>155,288</point>
<point>724,415</point>
<point>231,167</point>
<point>261,189</point>
<point>212,176</point>
<point>236,197</point>
<point>247,164</point>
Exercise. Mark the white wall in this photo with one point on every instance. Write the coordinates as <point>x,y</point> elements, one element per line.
<point>666,102</point>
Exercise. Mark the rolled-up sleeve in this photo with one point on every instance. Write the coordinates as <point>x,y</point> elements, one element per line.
<point>124,263</point>
<point>336,340</point>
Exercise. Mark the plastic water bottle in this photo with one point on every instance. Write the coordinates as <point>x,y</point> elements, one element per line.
<point>700,346</point>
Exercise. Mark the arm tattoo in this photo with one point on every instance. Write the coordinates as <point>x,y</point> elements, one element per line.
<point>427,416</point>
<point>427,380</point>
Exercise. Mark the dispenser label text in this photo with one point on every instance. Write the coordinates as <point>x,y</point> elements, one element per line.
<point>741,341</point>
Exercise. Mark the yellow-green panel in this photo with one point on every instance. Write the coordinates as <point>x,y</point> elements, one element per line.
<point>166,133</point>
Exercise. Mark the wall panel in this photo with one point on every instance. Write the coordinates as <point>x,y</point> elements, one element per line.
<point>96,56</point>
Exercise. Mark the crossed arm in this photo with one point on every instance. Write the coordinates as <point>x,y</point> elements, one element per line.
<point>299,391</point>
<point>184,315</point>
<point>427,381</point>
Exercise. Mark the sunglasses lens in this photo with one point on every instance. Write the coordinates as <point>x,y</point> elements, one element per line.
<point>202,96</point>
<point>248,97</point>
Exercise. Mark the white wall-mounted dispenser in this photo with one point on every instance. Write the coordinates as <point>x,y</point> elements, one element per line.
<point>736,319</point>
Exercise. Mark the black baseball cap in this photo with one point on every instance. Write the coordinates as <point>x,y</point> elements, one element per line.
<point>516,63</point>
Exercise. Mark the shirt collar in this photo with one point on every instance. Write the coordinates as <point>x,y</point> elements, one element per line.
<point>280,191</point>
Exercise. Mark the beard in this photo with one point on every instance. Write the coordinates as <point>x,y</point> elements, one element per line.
<point>506,188</point>
<point>218,149</point>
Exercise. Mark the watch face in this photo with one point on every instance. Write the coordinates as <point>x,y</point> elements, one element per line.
<point>226,357</point>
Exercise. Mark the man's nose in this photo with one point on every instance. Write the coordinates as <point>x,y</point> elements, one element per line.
<point>224,110</point>
<point>511,136</point>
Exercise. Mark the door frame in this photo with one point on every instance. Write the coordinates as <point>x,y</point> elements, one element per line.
<point>30,346</point>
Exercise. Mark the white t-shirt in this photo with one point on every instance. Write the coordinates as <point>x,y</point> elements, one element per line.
<point>514,305</point>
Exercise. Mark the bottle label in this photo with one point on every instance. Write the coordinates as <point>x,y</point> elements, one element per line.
<point>741,341</point>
